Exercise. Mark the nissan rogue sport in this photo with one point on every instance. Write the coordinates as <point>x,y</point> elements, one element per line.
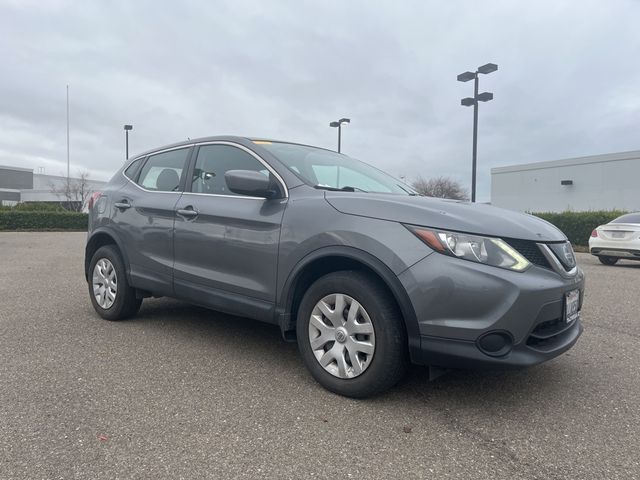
<point>351,263</point>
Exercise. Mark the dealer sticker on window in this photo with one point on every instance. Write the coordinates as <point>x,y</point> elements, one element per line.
<point>571,305</point>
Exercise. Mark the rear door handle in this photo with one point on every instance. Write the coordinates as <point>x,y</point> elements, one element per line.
<point>188,212</point>
<point>123,205</point>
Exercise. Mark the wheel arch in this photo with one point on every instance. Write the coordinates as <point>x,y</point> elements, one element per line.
<point>330,259</point>
<point>100,238</point>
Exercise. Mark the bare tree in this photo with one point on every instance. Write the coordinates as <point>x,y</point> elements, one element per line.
<point>441,187</point>
<point>74,192</point>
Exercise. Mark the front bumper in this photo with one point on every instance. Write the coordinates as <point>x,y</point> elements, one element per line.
<point>458,302</point>
<point>450,353</point>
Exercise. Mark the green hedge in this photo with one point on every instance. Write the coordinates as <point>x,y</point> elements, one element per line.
<point>35,207</point>
<point>42,220</point>
<point>577,226</point>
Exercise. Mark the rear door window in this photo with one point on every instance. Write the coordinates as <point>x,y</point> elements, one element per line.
<point>162,172</point>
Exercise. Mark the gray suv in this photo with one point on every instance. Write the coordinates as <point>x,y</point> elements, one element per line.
<point>351,263</point>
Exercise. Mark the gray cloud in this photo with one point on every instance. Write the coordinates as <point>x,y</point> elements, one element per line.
<point>567,83</point>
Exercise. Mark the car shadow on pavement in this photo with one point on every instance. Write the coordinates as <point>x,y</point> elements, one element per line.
<point>223,333</point>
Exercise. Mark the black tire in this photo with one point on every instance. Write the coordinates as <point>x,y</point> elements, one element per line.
<point>389,362</point>
<point>125,304</point>
<point>608,260</point>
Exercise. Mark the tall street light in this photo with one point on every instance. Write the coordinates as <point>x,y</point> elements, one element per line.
<point>467,102</point>
<point>126,134</point>
<point>68,175</point>
<point>338,124</point>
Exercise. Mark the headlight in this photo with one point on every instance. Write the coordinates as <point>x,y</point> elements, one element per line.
<point>487,250</point>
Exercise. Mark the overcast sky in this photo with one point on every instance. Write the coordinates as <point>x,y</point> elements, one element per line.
<point>568,82</point>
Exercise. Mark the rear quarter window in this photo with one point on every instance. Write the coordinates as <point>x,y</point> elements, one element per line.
<point>131,170</point>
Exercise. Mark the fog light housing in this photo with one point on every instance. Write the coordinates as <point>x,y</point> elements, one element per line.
<point>495,344</point>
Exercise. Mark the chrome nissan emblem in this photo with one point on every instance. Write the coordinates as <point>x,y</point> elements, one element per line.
<point>341,335</point>
<point>568,255</point>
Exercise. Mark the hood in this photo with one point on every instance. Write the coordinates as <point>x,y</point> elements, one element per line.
<point>465,217</point>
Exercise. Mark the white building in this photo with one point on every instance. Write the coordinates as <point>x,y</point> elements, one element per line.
<point>22,185</point>
<point>597,182</point>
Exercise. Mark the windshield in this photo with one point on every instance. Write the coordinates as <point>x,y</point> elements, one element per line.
<point>325,169</point>
<point>628,218</point>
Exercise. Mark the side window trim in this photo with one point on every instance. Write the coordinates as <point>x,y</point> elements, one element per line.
<point>183,176</point>
<point>194,157</point>
<point>192,165</point>
<point>187,163</point>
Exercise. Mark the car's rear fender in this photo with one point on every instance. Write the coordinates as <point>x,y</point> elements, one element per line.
<point>96,239</point>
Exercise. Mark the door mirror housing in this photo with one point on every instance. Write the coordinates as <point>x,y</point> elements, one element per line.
<point>252,184</point>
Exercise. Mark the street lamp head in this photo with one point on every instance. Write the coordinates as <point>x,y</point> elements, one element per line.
<point>344,120</point>
<point>334,124</point>
<point>466,76</point>
<point>128,127</point>
<point>467,102</point>
<point>488,68</point>
<point>485,96</point>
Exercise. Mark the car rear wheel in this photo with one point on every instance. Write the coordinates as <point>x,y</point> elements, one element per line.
<point>110,293</point>
<point>350,334</point>
<point>608,260</point>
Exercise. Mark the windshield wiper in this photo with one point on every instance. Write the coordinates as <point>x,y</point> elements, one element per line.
<point>341,189</point>
<point>409,192</point>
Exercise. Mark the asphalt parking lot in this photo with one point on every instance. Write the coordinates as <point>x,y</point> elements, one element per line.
<point>182,392</point>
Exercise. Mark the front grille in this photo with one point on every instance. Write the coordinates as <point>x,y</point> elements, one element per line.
<point>530,251</point>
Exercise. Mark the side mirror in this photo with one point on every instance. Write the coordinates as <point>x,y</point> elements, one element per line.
<point>252,184</point>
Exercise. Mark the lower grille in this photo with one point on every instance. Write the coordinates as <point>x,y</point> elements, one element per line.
<point>547,334</point>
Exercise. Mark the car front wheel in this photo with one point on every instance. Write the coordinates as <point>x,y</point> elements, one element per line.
<point>350,334</point>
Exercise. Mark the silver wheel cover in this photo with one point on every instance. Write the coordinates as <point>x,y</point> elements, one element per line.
<point>341,336</point>
<point>105,283</point>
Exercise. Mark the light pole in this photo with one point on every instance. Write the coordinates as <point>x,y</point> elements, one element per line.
<point>338,124</point>
<point>467,102</point>
<point>126,134</point>
<point>68,175</point>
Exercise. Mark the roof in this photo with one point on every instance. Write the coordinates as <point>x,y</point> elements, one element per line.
<point>567,162</point>
<point>19,169</point>
<point>218,138</point>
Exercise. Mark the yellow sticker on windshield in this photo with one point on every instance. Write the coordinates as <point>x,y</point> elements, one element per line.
<point>261,142</point>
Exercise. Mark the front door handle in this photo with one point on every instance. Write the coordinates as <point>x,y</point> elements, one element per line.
<point>123,205</point>
<point>188,212</point>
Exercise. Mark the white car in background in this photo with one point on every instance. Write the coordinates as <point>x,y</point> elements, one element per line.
<point>617,239</point>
